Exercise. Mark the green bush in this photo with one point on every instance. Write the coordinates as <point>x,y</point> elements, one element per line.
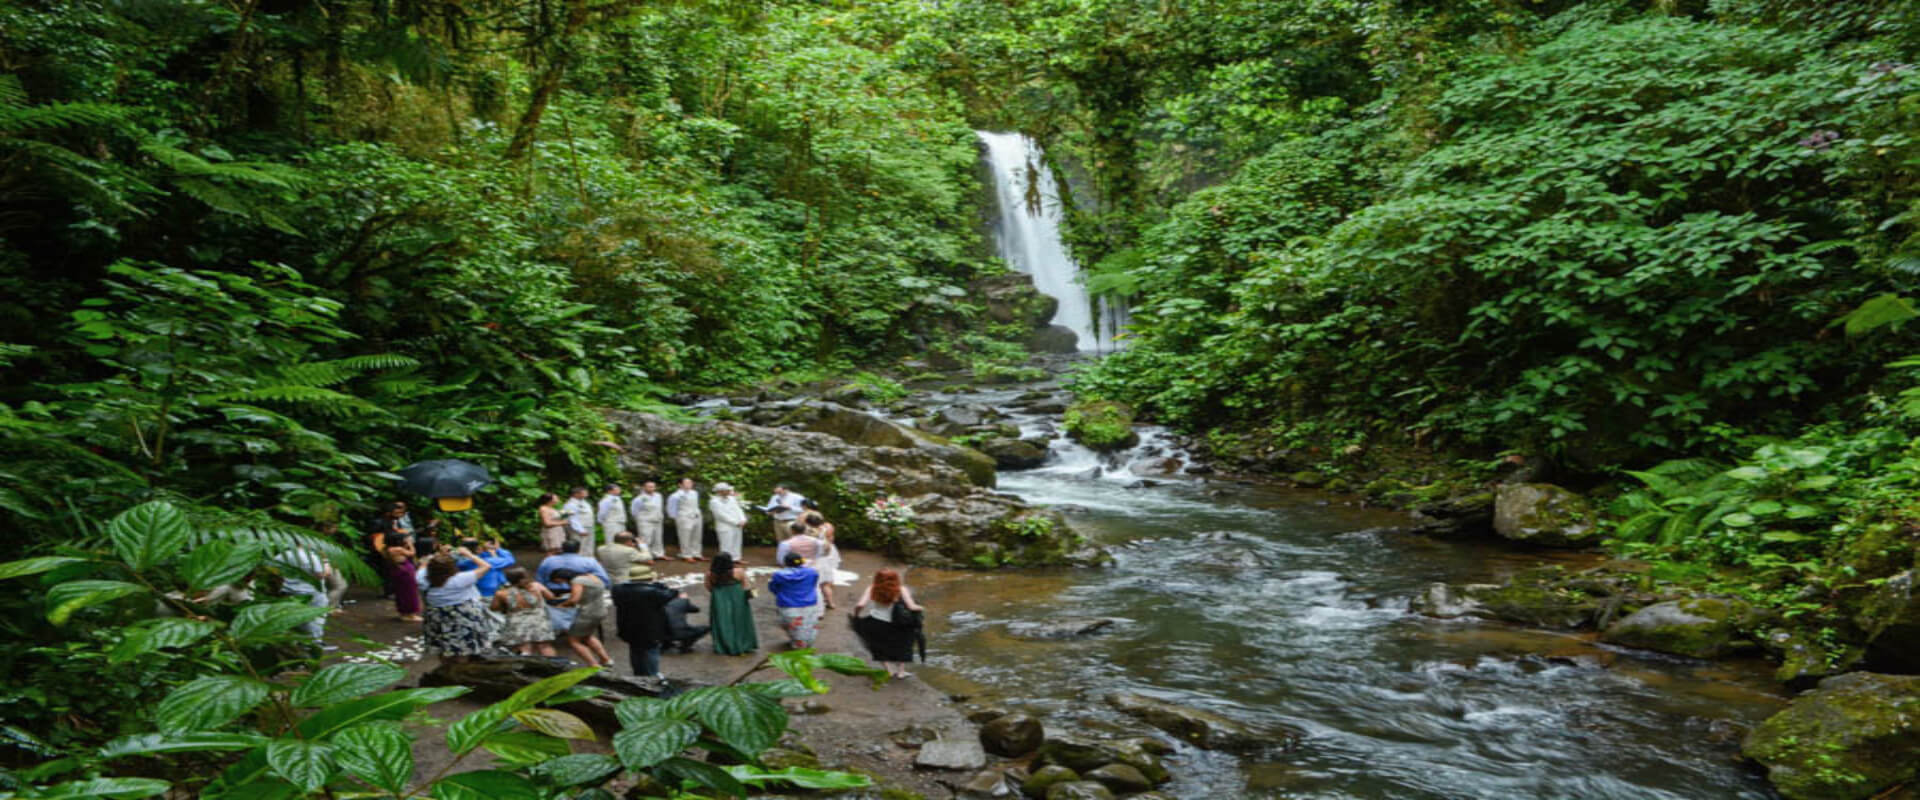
<point>1101,424</point>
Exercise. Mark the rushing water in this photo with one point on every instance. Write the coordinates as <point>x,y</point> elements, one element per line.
<point>1028,235</point>
<point>1279,609</point>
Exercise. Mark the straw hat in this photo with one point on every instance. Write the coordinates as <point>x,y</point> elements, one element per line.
<point>723,486</point>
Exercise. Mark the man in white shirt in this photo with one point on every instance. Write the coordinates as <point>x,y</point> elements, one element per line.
<point>684,507</point>
<point>649,513</point>
<point>728,518</point>
<point>579,514</point>
<point>785,508</point>
<point>612,513</point>
<point>300,568</point>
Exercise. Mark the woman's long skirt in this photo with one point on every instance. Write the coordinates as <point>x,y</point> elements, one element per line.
<point>463,629</point>
<point>732,621</point>
<point>406,588</point>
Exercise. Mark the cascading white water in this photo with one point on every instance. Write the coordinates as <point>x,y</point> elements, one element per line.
<point>1029,237</point>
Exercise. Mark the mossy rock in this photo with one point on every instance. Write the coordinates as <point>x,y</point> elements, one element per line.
<point>1543,514</point>
<point>1308,479</point>
<point>1852,738</point>
<point>1540,599</point>
<point>1890,618</point>
<point>1699,627</point>
<point>1103,425</point>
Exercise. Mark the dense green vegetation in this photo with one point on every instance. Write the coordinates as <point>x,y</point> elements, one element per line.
<point>257,253</point>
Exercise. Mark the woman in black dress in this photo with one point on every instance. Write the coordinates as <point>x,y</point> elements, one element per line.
<point>888,621</point>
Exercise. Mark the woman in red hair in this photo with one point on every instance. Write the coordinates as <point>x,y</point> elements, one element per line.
<point>888,621</point>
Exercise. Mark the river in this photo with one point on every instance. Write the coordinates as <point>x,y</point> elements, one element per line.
<point>1279,608</point>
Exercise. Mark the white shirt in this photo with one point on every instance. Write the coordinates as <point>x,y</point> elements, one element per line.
<point>785,507</point>
<point>646,506</point>
<point>459,588</point>
<point>612,512</point>
<point>727,510</point>
<point>579,515</point>
<point>683,501</point>
<point>299,565</point>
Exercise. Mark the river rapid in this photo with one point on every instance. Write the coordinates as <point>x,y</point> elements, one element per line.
<point>1282,609</point>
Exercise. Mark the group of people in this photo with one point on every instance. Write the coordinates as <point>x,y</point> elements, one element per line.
<point>648,513</point>
<point>473,598</point>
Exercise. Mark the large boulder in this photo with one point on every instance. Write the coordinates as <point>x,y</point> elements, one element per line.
<point>951,754</point>
<point>1852,738</point>
<point>1014,453</point>
<point>860,428</point>
<point>1543,514</point>
<point>1542,598</point>
<point>1012,298</point>
<point>1700,627</point>
<point>1103,425</point>
<point>1890,618</point>
<point>957,522</point>
<point>1199,727</point>
<point>1054,339</point>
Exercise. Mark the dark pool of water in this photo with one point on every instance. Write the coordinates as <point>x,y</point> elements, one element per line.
<point>1275,608</point>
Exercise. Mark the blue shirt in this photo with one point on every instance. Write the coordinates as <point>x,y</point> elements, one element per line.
<point>795,587</point>
<point>495,578</point>
<point>572,561</point>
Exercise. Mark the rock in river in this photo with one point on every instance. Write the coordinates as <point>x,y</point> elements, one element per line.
<point>1014,453</point>
<point>1012,735</point>
<point>1543,514</point>
<point>1079,790</point>
<point>1854,737</point>
<point>1060,628</point>
<point>1198,727</point>
<point>1121,778</point>
<point>1036,784</point>
<point>1699,627</point>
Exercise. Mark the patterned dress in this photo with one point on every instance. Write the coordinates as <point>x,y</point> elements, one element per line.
<point>526,618</point>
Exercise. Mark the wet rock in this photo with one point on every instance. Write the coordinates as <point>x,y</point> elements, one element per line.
<point>1079,790</point>
<point>1543,514</point>
<point>1308,479</point>
<point>986,784</point>
<point>1538,598</point>
<point>1121,778</point>
<point>913,736</point>
<point>1012,299</point>
<point>1036,784</point>
<point>1852,738</point>
<point>1084,755</point>
<point>1700,627</point>
<point>955,517</point>
<point>1803,661</point>
<point>951,754</point>
<point>1444,602</point>
<point>1141,484</point>
<point>1048,407</point>
<point>982,716</point>
<point>1459,516</point>
<point>1014,453</point>
<point>867,430</point>
<point>1054,339</point>
<point>1012,735</point>
<point>1198,727</point>
<point>1890,618</point>
<point>1061,628</point>
<point>497,679</point>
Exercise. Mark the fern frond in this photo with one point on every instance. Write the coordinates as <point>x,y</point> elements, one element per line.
<point>328,373</point>
<point>58,116</point>
<point>12,93</point>
<point>323,400</point>
<point>1642,527</point>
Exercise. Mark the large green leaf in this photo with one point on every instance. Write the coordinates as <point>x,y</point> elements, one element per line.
<point>486,784</point>
<point>780,689</point>
<point>799,777</point>
<point>380,753</point>
<point>535,693</point>
<point>700,773</point>
<point>801,664</point>
<point>648,745</point>
<point>149,534</point>
<point>342,682</point>
<point>522,748</point>
<point>35,566</point>
<point>576,770</point>
<point>305,764</point>
<point>641,710</point>
<point>267,621</point>
<point>1886,309</point>
<point>326,722</point>
<point>157,634</point>
<point>65,599</point>
<point>208,702</point>
<point>153,744</point>
<point>850,665</point>
<point>747,720</point>
<point>469,731</point>
<point>554,722</point>
<point>115,788</point>
<point>221,561</point>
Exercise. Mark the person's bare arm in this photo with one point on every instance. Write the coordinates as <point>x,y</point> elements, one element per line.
<point>866,599</point>
<point>907,595</point>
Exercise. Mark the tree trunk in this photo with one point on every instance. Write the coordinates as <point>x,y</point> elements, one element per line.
<point>558,57</point>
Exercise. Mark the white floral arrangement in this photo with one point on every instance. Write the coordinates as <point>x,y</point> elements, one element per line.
<point>890,510</point>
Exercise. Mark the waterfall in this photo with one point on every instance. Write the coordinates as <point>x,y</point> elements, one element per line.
<point>1028,236</point>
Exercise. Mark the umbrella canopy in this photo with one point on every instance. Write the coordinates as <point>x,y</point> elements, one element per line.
<point>447,477</point>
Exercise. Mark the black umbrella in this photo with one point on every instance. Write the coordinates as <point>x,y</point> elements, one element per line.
<point>447,477</point>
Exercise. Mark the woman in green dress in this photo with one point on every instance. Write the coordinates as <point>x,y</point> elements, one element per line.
<point>731,617</point>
